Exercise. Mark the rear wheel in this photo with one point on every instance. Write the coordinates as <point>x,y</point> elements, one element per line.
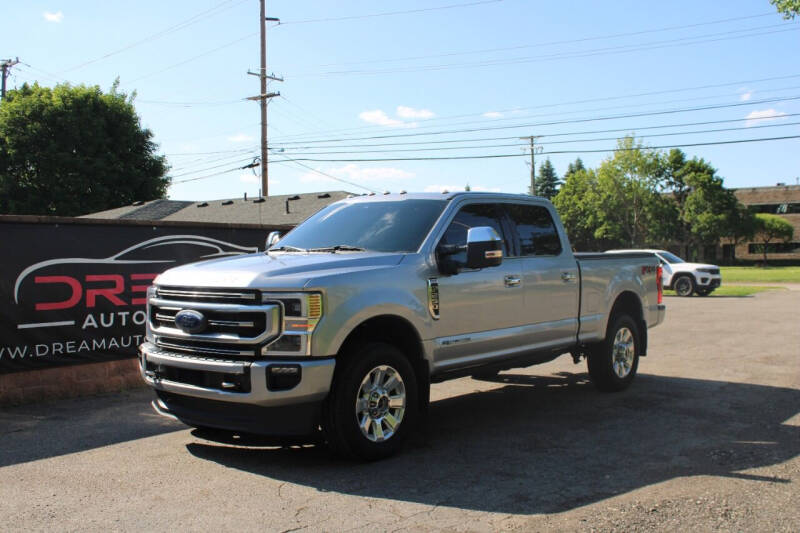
<point>613,364</point>
<point>684,286</point>
<point>373,404</point>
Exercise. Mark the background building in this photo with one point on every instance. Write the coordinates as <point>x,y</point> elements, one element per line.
<point>782,200</point>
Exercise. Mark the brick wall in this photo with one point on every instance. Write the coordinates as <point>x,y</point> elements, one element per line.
<point>69,381</point>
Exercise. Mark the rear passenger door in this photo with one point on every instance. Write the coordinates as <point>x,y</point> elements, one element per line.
<point>549,277</point>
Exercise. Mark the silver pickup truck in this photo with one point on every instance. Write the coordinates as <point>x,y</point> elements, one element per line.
<point>340,327</point>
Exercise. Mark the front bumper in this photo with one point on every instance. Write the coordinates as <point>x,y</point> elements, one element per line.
<point>237,395</point>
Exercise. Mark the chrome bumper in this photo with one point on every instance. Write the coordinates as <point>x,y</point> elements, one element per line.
<point>315,378</point>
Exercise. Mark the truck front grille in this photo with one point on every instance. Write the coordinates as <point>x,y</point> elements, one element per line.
<point>234,322</point>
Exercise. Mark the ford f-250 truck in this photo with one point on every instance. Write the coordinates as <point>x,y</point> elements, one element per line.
<point>340,327</point>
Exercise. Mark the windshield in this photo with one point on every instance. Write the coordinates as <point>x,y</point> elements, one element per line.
<point>671,258</point>
<point>381,226</point>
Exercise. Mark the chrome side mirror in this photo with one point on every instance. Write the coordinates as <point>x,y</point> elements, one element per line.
<point>272,239</point>
<point>484,247</point>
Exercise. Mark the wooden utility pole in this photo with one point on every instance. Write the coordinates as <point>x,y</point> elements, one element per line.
<point>534,148</point>
<point>264,95</point>
<point>6,66</point>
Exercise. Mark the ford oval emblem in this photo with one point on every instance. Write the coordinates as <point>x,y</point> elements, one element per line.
<point>190,321</point>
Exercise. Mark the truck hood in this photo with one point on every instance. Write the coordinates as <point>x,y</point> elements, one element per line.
<point>274,271</point>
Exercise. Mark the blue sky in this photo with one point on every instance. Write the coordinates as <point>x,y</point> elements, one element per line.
<point>355,76</point>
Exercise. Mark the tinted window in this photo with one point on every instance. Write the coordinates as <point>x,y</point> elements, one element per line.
<point>381,226</point>
<point>671,258</point>
<point>473,216</point>
<point>535,229</point>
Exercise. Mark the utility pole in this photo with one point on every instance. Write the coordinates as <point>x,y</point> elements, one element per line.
<point>6,66</point>
<point>534,149</point>
<point>264,95</point>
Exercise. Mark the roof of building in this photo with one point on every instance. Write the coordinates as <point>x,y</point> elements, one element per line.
<point>776,194</point>
<point>289,209</point>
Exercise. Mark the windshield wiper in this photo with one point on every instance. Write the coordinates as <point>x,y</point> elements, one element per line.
<point>338,248</point>
<point>287,249</point>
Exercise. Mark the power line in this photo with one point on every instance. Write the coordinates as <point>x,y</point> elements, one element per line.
<point>293,144</point>
<point>551,123</point>
<point>498,156</point>
<point>390,13</point>
<point>296,139</point>
<point>207,168</point>
<point>222,6</point>
<point>654,45</point>
<point>193,58</point>
<point>633,130</point>
<point>553,43</point>
<point>295,161</point>
<point>505,138</point>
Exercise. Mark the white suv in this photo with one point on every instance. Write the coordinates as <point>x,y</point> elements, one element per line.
<point>685,278</point>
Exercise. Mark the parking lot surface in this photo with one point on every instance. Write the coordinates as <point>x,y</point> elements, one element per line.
<point>707,438</point>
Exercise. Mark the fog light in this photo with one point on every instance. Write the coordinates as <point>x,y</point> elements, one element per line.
<point>283,377</point>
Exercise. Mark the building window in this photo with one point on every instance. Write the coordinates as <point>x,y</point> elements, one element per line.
<point>775,248</point>
<point>778,209</point>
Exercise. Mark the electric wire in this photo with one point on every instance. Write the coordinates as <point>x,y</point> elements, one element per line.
<point>498,156</point>
<point>222,6</point>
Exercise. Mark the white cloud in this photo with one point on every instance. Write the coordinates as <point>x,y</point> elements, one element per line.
<point>357,174</point>
<point>493,114</point>
<point>454,188</point>
<point>58,16</point>
<point>249,178</point>
<point>381,119</point>
<point>759,117</point>
<point>240,138</point>
<point>410,112</point>
<point>746,94</point>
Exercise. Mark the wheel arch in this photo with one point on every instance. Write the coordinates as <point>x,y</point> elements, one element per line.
<point>628,302</point>
<point>399,332</point>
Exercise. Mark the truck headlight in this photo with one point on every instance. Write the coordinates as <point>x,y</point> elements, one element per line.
<point>301,314</point>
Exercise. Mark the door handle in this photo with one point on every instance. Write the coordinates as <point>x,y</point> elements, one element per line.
<point>512,281</point>
<point>567,277</point>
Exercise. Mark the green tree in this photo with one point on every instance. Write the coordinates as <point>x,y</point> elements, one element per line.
<point>574,167</point>
<point>577,205</point>
<point>631,209</point>
<point>547,183</point>
<point>72,150</point>
<point>788,8</point>
<point>706,211</point>
<point>771,228</point>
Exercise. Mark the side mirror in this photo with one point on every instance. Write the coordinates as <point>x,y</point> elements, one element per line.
<point>484,247</point>
<point>273,238</point>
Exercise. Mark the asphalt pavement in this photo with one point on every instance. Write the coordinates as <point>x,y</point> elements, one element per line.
<point>707,438</point>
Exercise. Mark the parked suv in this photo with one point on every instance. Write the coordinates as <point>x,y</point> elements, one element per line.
<point>685,278</point>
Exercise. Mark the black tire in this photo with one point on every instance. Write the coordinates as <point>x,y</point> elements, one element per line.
<point>601,360</point>
<point>340,422</point>
<point>683,285</point>
<point>703,292</point>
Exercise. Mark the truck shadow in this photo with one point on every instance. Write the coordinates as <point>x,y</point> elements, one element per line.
<point>544,444</point>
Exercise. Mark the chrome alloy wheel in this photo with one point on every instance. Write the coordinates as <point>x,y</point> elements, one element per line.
<point>381,403</point>
<point>623,353</point>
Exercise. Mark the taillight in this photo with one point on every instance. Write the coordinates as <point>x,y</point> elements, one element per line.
<point>659,274</point>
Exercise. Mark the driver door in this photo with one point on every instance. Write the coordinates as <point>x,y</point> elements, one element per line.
<point>480,308</point>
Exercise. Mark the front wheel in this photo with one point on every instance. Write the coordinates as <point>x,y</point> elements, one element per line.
<point>613,364</point>
<point>373,404</point>
<point>703,292</point>
<point>684,286</point>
